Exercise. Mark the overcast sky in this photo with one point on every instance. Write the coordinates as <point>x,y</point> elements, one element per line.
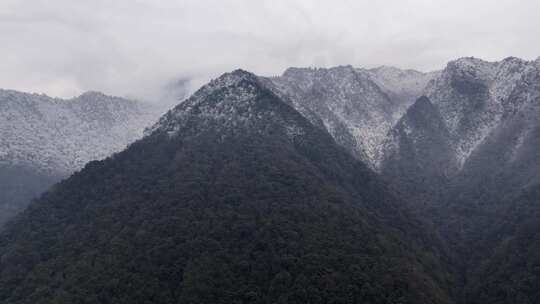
<point>133,48</point>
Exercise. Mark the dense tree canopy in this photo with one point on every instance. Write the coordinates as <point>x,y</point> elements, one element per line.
<point>223,215</point>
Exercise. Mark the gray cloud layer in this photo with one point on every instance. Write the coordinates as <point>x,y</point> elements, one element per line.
<point>133,47</point>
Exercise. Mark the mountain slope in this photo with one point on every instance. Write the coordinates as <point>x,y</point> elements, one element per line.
<point>418,154</point>
<point>503,198</point>
<point>357,106</point>
<point>487,108</point>
<point>48,133</point>
<point>232,197</point>
<point>488,160</point>
<point>509,271</point>
<point>19,185</point>
<point>43,139</point>
<point>475,96</point>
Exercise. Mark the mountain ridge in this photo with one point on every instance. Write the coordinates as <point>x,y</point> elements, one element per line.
<point>355,105</point>
<point>44,139</point>
<point>461,156</point>
<point>228,206</point>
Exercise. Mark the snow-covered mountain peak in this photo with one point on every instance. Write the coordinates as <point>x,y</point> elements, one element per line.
<point>512,59</point>
<point>474,95</point>
<point>233,78</point>
<point>356,106</point>
<point>469,69</point>
<point>468,62</point>
<point>236,100</point>
<point>239,85</point>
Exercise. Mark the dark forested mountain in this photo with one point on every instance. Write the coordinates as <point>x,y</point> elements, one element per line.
<point>283,190</point>
<point>505,250</point>
<point>232,197</point>
<point>498,190</point>
<point>468,156</point>
<point>464,155</point>
<point>418,153</point>
<point>44,139</point>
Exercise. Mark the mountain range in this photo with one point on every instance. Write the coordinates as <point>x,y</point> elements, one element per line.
<point>339,185</point>
<point>356,106</point>
<point>44,139</point>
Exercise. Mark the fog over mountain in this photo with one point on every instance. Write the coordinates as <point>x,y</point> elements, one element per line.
<point>132,48</point>
<point>269,152</point>
<point>403,186</point>
<point>232,196</point>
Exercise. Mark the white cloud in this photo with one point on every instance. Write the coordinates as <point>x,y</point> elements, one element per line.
<point>132,48</point>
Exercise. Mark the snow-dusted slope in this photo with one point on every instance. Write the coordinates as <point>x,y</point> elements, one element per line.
<point>475,97</point>
<point>44,139</point>
<point>487,117</point>
<point>232,179</point>
<point>357,106</point>
<point>236,100</point>
<point>225,108</point>
<point>60,136</point>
